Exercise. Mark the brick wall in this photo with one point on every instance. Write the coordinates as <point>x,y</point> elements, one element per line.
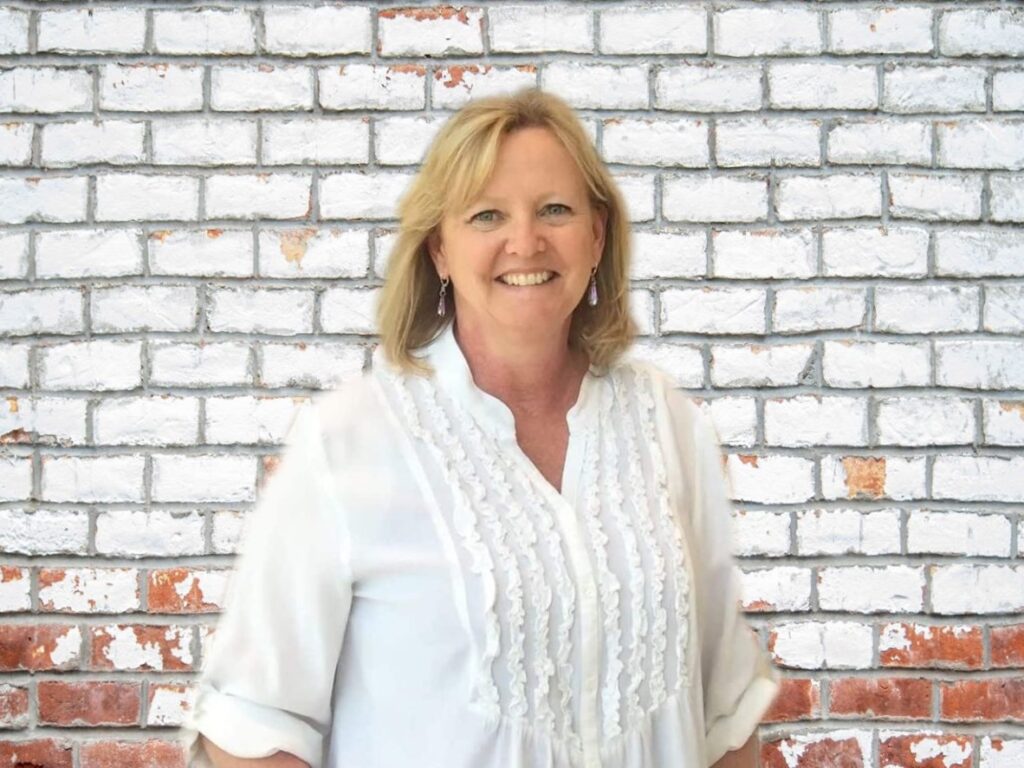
<point>195,210</point>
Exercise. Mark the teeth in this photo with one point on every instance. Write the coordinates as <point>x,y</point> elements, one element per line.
<point>533,278</point>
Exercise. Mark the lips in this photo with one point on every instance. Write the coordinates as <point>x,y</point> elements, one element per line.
<point>527,278</point>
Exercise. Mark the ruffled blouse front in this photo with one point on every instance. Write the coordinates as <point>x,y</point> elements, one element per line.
<point>413,592</point>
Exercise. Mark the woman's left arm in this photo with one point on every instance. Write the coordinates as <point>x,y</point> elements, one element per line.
<point>744,757</point>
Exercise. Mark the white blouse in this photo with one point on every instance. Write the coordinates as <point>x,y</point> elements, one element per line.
<point>411,591</point>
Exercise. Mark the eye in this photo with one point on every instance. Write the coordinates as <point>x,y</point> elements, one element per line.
<point>484,217</point>
<point>557,209</point>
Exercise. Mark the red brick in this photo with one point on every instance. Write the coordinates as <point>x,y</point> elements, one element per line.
<point>920,751</point>
<point>1008,646</point>
<point>1001,699</point>
<point>31,647</point>
<point>798,699</point>
<point>89,703</point>
<point>138,647</point>
<point>821,753</point>
<point>13,706</point>
<point>954,647</point>
<point>132,754</point>
<point>885,697</point>
<point>41,753</point>
<point>165,598</point>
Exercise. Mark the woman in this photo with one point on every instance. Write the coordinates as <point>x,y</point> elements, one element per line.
<point>504,546</point>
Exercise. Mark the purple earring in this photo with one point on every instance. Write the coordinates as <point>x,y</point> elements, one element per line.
<point>592,289</point>
<point>442,307</point>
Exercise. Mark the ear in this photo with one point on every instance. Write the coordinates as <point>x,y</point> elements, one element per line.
<point>436,250</point>
<point>600,225</point>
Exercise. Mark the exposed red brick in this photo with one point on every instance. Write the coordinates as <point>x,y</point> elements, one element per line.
<point>900,750</point>
<point>213,234</point>
<point>452,76</point>
<point>41,753</point>
<point>1012,405</point>
<point>825,753</point>
<point>406,69</point>
<point>12,404</point>
<point>958,647</point>
<point>165,598</point>
<point>747,459</point>
<point>12,573</point>
<point>758,606</point>
<point>17,435</point>
<point>885,697</point>
<point>798,699</point>
<point>168,642</point>
<point>427,14</point>
<point>13,706</point>
<point>1008,646</point>
<point>865,477</point>
<point>132,754</point>
<point>1001,699</point>
<point>31,647</point>
<point>89,703</point>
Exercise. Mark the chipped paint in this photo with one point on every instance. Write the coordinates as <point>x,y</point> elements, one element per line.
<point>66,647</point>
<point>124,650</point>
<point>213,234</point>
<point>294,243</point>
<point>1011,406</point>
<point>746,458</point>
<point>12,404</point>
<point>865,476</point>
<point>427,14</point>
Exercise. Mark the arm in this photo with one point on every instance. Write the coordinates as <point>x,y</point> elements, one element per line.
<point>222,759</point>
<point>744,757</point>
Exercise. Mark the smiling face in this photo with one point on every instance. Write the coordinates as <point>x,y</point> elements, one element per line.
<point>520,255</point>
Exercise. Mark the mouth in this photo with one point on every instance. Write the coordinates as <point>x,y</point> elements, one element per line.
<point>523,279</point>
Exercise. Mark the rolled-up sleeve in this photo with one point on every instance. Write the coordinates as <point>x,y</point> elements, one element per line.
<point>267,683</point>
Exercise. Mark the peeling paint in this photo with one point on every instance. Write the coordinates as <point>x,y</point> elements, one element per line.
<point>747,459</point>
<point>865,476</point>
<point>12,404</point>
<point>294,243</point>
<point>1011,406</point>
<point>427,14</point>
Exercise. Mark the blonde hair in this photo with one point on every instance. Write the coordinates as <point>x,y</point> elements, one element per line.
<point>454,172</point>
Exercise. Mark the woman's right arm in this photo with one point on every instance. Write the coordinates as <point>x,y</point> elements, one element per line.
<point>222,759</point>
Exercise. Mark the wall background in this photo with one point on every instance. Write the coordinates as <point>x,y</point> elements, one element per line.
<point>195,208</point>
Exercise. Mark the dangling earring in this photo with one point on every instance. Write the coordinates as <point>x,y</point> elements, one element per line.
<point>442,307</point>
<point>592,290</point>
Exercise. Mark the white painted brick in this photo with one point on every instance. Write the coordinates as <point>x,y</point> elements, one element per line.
<point>146,87</point>
<point>925,421</point>
<point>92,30</point>
<point>822,645</point>
<point>169,705</point>
<point>14,366</point>
<point>653,29</point>
<point>958,533</point>
<point>15,142</point>
<point>811,420</point>
<point>759,365</point>
<point>1004,422</point>
<point>980,364</point>
<point>45,89</point>
<point>316,141</point>
<point>14,585</point>
<point>767,31</point>
<point>91,365</point>
<point>367,86</point>
<point>201,141</point>
<point>217,31</point>
<point>876,364</point>
<point>813,308</point>
<point>277,311</point>
<point>13,31</point>
<point>637,190</point>
<point>203,478</point>
<point>321,30</point>
<point>250,420</point>
<point>14,255</point>
<point>996,144</point>
<point>227,531</point>
<point>314,252</point>
<point>1007,200</point>
<point>977,589</point>
<point>117,142</point>
<point>92,590</point>
<point>158,533</point>
<point>875,251</point>
<point>404,140</point>
<point>212,364</point>
<point>42,310</point>
<point>1001,753</point>
<point>926,309</point>
<point>979,252</point>
<point>362,195</point>
<point>455,85</point>
<point>1008,91</point>
<point>136,308</point>
<point>763,254</point>
<point>137,196</point>
<point>349,310</point>
<point>734,418</point>
<point>873,477</point>
<point>978,478</point>
<point>909,88</point>
<point>784,588</point>
<point>668,254</point>
<point>83,479</point>
<point>641,309</point>
<point>155,420</point>
<point>880,30</point>
<point>683,363</point>
<point>56,199</point>
<point>672,142</point>
<point>204,252</point>
<point>859,589</point>
<point>314,366</point>
<point>15,479</point>
<point>935,198</point>
<point>1004,308</point>
<point>57,420</point>
<point>760,533</point>
<point>259,195</point>
<point>836,196</point>
<point>715,199</point>
<point>767,141</point>
<point>881,142</point>
<point>262,87</point>
<point>383,244</point>
<point>800,85</point>
<point>770,479</point>
<point>847,532</point>
<point>597,86</point>
<point>536,28</point>
<point>982,32</point>
<point>706,86</point>
<point>713,310</point>
<point>43,532</point>
<point>441,31</point>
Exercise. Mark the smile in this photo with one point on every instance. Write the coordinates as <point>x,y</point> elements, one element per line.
<point>527,278</point>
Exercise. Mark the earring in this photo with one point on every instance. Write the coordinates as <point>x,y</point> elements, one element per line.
<point>592,290</point>
<point>442,307</point>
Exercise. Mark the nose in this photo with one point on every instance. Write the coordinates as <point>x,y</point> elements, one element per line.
<point>525,238</point>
